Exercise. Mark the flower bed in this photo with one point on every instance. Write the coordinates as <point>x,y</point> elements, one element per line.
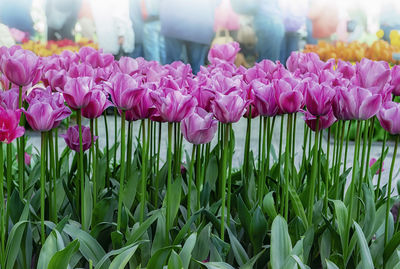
<point>122,205</point>
<point>56,47</point>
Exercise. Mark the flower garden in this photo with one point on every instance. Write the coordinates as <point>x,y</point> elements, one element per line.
<point>126,205</point>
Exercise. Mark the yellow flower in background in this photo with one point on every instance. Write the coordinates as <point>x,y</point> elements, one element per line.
<point>380,33</point>
<point>56,47</point>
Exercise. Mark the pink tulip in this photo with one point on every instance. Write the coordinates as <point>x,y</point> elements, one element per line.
<point>265,101</point>
<point>325,121</point>
<point>56,79</point>
<point>389,116</point>
<point>97,104</point>
<point>72,138</point>
<point>128,65</point>
<point>77,92</point>
<point>173,105</point>
<point>372,162</point>
<point>20,66</point>
<point>9,125</point>
<point>10,99</point>
<point>346,69</point>
<point>319,98</point>
<point>95,58</point>
<point>355,103</point>
<point>144,109</point>
<point>125,91</point>
<point>46,114</point>
<point>223,52</point>
<point>199,127</point>
<point>229,108</point>
<point>395,81</point>
<point>372,75</point>
<point>80,70</point>
<point>289,97</point>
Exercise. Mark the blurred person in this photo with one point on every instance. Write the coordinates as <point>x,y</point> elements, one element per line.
<point>324,18</point>
<point>113,26</point>
<point>294,17</point>
<point>17,14</point>
<point>62,16</point>
<point>86,20</point>
<point>135,14</point>
<point>187,26</point>
<point>6,38</point>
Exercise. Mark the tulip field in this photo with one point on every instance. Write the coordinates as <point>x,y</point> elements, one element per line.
<point>132,201</point>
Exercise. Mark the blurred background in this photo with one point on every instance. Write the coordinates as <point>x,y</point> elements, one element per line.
<point>170,30</point>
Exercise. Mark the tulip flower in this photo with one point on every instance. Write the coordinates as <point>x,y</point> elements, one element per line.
<point>9,98</point>
<point>325,121</point>
<point>395,81</point>
<point>264,99</point>
<point>319,98</point>
<point>56,79</point>
<point>229,108</point>
<point>225,52</point>
<point>125,91</point>
<point>45,115</point>
<point>355,103</point>
<point>372,75</point>
<point>9,125</point>
<point>389,116</point>
<point>199,127</point>
<point>20,66</point>
<point>289,97</point>
<point>173,105</point>
<point>80,70</point>
<point>97,104</point>
<point>144,109</point>
<point>77,92</point>
<point>72,138</point>
<point>128,65</point>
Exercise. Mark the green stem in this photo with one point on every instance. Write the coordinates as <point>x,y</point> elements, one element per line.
<point>189,198</point>
<point>199,176</point>
<point>280,192</point>
<point>314,171</point>
<point>270,134</point>
<point>336,179</point>
<point>42,186</point>
<point>293,147</point>
<point>390,189</point>
<point>122,173</point>
<point>81,168</point>
<point>261,177</point>
<point>223,177</point>
<point>327,173</point>
<point>2,210</point>
<point>143,173</point>
<point>158,166</point>
<point>228,198</point>
<point>287,164</point>
<point>371,134</point>
<point>378,186</point>
<point>260,136</point>
<point>347,147</point>
<point>115,138</point>
<point>360,179</point>
<point>107,152</point>
<point>94,162</point>
<point>247,145</point>
<point>352,185</point>
<point>129,149</point>
<point>9,178</point>
<point>52,178</point>
<point>21,150</point>
<point>169,180</point>
<point>56,153</point>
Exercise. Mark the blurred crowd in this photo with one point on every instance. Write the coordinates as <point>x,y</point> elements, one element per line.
<point>170,30</point>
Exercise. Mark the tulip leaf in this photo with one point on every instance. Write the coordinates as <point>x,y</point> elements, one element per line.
<point>240,254</point>
<point>187,249</point>
<point>62,257</point>
<point>281,245</point>
<point>364,250</point>
<point>13,246</point>
<point>174,261</point>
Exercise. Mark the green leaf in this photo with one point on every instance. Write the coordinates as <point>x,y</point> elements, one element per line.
<point>215,265</point>
<point>299,262</point>
<point>250,263</point>
<point>298,206</point>
<point>123,258</point>
<point>239,252</point>
<point>341,219</point>
<point>331,265</point>
<point>128,249</point>
<point>174,261</point>
<point>13,246</point>
<point>176,201</point>
<point>364,250</point>
<point>88,204</point>
<point>281,245</point>
<point>60,259</point>
<point>244,215</point>
<point>258,229</point>
<point>212,172</point>
<point>52,245</point>
<point>370,213</point>
<point>159,259</point>
<point>88,246</point>
<point>143,227</point>
<point>391,246</point>
<point>269,205</point>
<point>186,252</point>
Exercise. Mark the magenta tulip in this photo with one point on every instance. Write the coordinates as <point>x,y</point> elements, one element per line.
<point>229,108</point>
<point>389,116</point>
<point>325,121</point>
<point>77,92</point>
<point>199,127</point>
<point>46,114</point>
<point>144,109</point>
<point>346,69</point>
<point>72,138</point>
<point>223,52</point>
<point>289,97</point>
<point>372,75</point>
<point>173,105</point>
<point>128,65</point>
<point>9,125</point>
<point>265,101</point>
<point>125,91</point>
<point>21,67</point>
<point>9,99</point>
<point>319,98</point>
<point>355,103</point>
<point>97,104</point>
<point>80,70</point>
<point>395,81</point>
